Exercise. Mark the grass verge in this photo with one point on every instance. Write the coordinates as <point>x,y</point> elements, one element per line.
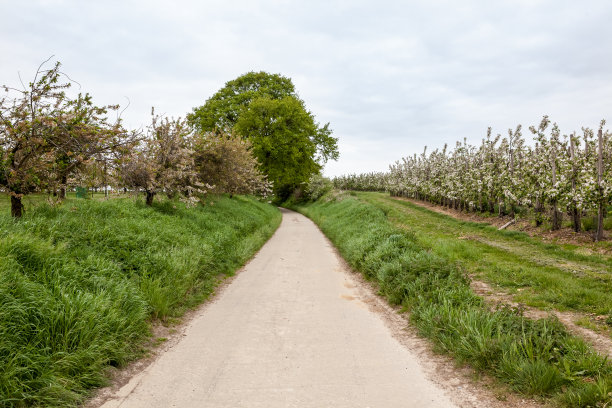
<point>536,358</point>
<point>80,283</point>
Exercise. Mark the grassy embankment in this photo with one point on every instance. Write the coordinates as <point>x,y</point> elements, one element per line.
<point>81,283</point>
<point>413,269</point>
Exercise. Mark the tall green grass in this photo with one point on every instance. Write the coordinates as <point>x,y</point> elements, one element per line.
<point>80,283</point>
<point>536,358</point>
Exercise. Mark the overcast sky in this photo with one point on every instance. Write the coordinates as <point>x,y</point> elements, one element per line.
<point>390,76</point>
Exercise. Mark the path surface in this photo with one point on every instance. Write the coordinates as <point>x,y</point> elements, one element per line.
<point>287,332</point>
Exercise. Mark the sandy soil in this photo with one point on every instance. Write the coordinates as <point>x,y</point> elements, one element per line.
<point>297,328</point>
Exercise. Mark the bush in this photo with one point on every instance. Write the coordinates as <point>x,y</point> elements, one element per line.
<point>317,187</point>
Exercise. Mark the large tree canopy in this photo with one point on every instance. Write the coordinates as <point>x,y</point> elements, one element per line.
<point>223,109</point>
<point>264,108</point>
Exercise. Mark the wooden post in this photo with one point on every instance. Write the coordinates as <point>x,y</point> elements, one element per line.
<point>600,213</point>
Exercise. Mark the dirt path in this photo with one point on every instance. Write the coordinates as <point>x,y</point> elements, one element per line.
<point>290,331</point>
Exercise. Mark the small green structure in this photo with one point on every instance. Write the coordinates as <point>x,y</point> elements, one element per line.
<point>81,192</point>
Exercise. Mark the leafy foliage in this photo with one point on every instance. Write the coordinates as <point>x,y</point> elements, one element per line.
<point>374,181</point>
<point>164,162</point>
<point>281,132</point>
<point>317,187</point>
<point>224,108</point>
<point>265,109</point>
<point>555,174</point>
<point>225,162</point>
<point>45,136</point>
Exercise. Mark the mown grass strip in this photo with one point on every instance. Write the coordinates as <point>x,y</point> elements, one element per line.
<point>537,358</point>
<point>80,283</point>
<point>539,274</point>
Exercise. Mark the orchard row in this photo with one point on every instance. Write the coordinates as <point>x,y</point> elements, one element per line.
<point>553,175</point>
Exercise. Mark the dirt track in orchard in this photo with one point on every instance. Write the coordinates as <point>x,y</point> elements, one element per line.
<point>297,328</point>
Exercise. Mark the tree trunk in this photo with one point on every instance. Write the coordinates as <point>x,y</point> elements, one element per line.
<point>600,220</point>
<point>600,212</point>
<point>510,202</point>
<point>150,195</point>
<point>576,222</point>
<point>574,206</point>
<point>62,190</point>
<point>539,209</point>
<point>16,207</point>
<point>556,217</point>
<point>105,182</point>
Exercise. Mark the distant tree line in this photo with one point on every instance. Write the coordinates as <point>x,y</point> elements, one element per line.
<point>373,181</point>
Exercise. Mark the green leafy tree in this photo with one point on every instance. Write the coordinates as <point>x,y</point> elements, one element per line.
<point>223,109</point>
<point>265,109</point>
<point>281,133</point>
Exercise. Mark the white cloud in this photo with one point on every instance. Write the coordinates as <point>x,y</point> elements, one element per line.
<point>390,76</point>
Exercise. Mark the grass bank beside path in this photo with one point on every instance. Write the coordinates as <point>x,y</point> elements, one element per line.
<point>539,274</point>
<point>533,357</point>
<point>80,284</point>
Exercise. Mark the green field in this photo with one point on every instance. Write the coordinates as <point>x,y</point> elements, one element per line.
<point>81,282</point>
<point>539,274</point>
<point>418,261</point>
